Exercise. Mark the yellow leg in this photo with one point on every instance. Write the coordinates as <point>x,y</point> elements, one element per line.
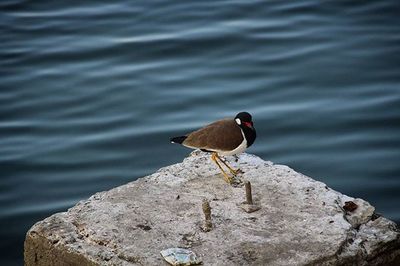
<point>227,178</point>
<point>233,171</point>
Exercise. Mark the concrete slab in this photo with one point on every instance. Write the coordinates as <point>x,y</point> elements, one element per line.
<point>301,221</point>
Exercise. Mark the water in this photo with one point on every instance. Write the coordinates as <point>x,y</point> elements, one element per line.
<point>91,92</point>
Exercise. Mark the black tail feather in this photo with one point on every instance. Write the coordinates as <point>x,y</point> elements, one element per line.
<point>178,140</point>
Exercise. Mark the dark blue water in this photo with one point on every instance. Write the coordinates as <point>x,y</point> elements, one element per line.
<point>91,92</point>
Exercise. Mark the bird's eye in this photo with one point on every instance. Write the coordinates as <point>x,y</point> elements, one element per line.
<point>238,121</point>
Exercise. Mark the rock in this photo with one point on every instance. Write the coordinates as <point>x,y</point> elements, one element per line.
<point>301,222</point>
<point>180,256</point>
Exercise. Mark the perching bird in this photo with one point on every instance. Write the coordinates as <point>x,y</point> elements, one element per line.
<point>223,137</point>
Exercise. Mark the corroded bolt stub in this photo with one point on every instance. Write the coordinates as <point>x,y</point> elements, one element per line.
<point>206,209</point>
<point>249,197</point>
<point>249,206</point>
<point>207,215</point>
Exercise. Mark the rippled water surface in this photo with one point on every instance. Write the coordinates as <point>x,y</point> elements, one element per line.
<point>91,92</point>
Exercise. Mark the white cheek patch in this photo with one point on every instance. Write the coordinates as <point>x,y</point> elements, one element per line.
<point>238,121</point>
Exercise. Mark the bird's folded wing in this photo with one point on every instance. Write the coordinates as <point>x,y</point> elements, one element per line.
<point>222,135</point>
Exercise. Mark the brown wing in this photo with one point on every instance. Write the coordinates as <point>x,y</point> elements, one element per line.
<point>223,135</point>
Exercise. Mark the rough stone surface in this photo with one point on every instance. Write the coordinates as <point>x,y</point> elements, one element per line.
<point>301,222</point>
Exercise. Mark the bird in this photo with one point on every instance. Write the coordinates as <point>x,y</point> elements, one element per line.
<point>224,137</point>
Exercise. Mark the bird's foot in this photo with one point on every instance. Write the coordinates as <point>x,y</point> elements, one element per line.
<point>236,171</point>
<point>236,182</point>
<point>231,180</point>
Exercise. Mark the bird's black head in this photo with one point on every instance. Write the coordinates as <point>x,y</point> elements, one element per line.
<point>245,122</point>
<point>244,119</point>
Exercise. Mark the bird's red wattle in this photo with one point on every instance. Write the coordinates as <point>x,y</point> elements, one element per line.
<point>248,124</point>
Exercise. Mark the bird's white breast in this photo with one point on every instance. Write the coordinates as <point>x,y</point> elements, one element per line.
<point>239,149</point>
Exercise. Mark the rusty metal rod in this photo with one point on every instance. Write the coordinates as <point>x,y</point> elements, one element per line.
<point>207,214</point>
<point>249,198</point>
